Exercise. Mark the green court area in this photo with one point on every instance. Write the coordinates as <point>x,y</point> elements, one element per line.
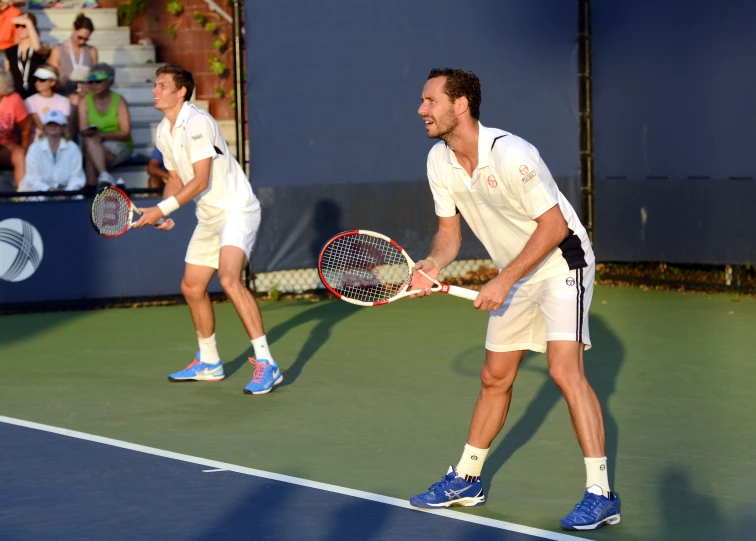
<point>379,399</point>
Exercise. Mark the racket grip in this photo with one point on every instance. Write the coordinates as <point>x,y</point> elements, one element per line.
<point>463,292</point>
<point>161,221</point>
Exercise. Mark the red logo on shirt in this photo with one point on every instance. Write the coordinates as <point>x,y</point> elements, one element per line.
<point>492,181</point>
<point>524,169</point>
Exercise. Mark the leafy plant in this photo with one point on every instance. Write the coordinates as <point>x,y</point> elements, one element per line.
<point>171,30</point>
<point>217,67</point>
<point>220,92</point>
<point>200,18</point>
<point>275,294</point>
<point>130,10</point>
<point>175,8</point>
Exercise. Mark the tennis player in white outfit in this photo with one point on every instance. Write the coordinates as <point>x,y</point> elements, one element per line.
<point>201,168</point>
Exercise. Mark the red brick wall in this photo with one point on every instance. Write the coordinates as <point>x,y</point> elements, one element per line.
<point>190,47</point>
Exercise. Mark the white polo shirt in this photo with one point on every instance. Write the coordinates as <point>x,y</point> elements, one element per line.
<point>509,189</point>
<point>196,136</point>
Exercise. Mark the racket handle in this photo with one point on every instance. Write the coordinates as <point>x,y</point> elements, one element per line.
<point>468,294</point>
<point>160,221</point>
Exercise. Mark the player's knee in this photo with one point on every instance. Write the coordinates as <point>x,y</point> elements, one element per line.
<point>229,282</point>
<point>566,376</point>
<point>191,291</point>
<point>495,380</point>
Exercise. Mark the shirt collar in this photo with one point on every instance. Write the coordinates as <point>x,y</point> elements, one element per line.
<point>61,146</point>
<point>485,140</point>
<point>183,114</point>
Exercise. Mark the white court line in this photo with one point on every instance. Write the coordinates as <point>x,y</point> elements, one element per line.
<point>500,524</point>
<point>213,471</point>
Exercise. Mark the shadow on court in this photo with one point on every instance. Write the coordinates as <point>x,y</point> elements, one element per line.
<point>327,314</point>
<point>602,364</point>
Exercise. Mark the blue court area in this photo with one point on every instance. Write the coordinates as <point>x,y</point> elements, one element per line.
<point>54,486</point>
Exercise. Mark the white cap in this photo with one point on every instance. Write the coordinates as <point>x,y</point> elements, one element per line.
<point>53,115</point>
<point>45,73</point>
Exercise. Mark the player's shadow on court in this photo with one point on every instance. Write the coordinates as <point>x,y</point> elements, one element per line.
<point>326,315</point>
<point>602,366</point>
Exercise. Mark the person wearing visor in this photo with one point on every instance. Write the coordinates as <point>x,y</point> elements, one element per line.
<point>15,128</point>
<point>29,53</point>
<point>53,163</point>
<point>46,99</point>
<point>105,127</point>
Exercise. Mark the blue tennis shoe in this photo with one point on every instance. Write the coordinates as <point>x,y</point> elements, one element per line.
<point>266,376</point>
<point>451,490</point>
<point>592,512</point>
<point>199,371</point>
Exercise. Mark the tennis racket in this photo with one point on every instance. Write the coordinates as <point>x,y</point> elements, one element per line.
<point>370,269</point>
<point>112,211</point>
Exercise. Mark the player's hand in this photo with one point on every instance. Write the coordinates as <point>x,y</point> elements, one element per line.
<point>149,216</point>
<point>167,225</point>
<point>493,294</point>
<point>419,281</point>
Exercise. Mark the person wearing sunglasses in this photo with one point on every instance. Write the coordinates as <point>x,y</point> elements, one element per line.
<point>105,127</point>
<point>29,53</point>
<point>46,99</point>
<point>74,53</point>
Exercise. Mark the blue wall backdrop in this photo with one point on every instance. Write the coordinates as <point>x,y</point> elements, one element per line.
<point>333,92</point>
<point>675,125</point>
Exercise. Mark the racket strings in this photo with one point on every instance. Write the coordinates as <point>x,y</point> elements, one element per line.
<point>365,268</point>
<point>110,212</point>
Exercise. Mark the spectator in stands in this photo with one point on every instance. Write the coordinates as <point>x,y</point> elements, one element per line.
<point>8,12</point>
<point>46,99</point>
<point>53,163</point>
<point>72,54</point>
<point>158,174</point>
<point>105,127</point>
<point>14,120</point>
<point>29,53</point>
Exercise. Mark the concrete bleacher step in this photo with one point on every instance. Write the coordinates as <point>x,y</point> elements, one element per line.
<point>137,73</point>
<point>48,19</point>
<point>125,55</point>
<point>114,35</point>
<point>135,93</point>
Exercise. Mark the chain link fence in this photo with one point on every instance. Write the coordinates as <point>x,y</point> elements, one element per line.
<point>473,273</point>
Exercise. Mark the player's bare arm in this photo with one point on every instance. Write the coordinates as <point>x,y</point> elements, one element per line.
<point>551,230</point>
<point>444,250</point>
<point>185,194</point>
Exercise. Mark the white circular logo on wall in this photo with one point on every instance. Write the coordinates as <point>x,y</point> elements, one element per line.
<point>20,250</point>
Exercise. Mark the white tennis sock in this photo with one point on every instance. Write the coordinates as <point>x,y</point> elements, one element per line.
<point>208,350</point>
<point>471,463</point>
<point>597,479</point>
<point>261,348</point>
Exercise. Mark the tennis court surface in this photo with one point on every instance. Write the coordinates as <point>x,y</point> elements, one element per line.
<point>96,443</point>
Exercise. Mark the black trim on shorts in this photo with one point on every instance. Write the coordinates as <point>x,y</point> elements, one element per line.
<point>496,139</point>
<point>572,251</point>
<point>580,301</point>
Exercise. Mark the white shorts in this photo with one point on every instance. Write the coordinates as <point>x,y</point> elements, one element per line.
<point>232,229</point>
<point>534,314</point>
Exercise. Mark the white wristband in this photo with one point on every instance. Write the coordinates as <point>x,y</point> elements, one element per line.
<point>168,205</point>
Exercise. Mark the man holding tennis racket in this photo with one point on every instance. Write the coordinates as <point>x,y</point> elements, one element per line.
<point>539,301</point>
<point>200,167</point>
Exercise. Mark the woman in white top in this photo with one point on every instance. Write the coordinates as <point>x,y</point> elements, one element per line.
<point>46,99</point>
<point>53,163</point>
